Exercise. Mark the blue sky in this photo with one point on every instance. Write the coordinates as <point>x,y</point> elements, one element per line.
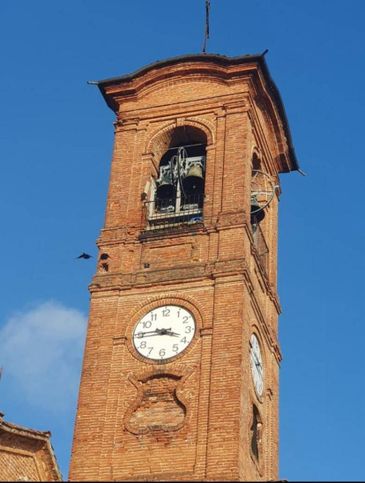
<point>56,138</point>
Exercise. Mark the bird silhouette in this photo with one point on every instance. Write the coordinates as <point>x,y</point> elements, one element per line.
<point>84,255</point>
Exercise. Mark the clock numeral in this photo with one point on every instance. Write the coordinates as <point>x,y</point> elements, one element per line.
<point>150,349</point>
<point>166,312</point>
<point>188,329</point>
<point>183,340</point>
<point>153,316</point>
<point>175,348</point>
<point>143,344</point>
<point>162,353</point>
<point>146,324</point>
<point>185,318</point>
<point>178,312</point>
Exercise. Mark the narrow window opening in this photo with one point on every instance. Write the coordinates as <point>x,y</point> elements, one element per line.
<point>256,433</point>
<point>259,193</point>
<point>257,215</point>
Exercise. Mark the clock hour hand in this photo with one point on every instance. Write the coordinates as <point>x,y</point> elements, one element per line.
<point>173,334</point>
<point>167,332</point>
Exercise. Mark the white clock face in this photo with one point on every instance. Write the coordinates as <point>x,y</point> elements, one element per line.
<point>164,332</point>
<point>257,369</point>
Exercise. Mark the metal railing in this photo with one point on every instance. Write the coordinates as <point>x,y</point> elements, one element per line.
<point>261,247</point>
<point>170,212</point>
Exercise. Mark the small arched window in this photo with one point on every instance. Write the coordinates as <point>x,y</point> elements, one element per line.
<point>179,188</point>
<point>256,433</point>
<point>257,215</point>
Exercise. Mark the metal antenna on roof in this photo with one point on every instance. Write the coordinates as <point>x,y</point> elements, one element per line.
<point>206,32</point>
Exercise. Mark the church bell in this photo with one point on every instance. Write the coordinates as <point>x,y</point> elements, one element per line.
<point>165,186</point>
<point>193,182</point>
<point>257,213</point>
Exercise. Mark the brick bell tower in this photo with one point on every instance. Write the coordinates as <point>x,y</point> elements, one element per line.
<point>180,379</point>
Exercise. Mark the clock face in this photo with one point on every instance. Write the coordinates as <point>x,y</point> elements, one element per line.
<point>164,332</point>
<point>257,369</point>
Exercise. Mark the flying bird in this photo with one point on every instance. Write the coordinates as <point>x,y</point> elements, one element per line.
<point>84,255</point>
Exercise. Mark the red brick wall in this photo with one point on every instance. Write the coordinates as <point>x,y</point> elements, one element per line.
<point>212,270</point>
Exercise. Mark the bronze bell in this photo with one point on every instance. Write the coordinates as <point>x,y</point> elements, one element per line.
<point>165,187</point>
<point>193,183</point>
<point>257,213</point>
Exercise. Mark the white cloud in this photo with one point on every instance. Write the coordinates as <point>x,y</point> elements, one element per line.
<point>41,351</point>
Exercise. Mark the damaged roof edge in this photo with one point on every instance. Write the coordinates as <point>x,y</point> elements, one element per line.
<point>259,58</point>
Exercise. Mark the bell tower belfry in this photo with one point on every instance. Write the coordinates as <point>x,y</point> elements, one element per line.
<point>180,379</point>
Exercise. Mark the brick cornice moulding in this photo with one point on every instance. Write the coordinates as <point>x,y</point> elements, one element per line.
<point>175,74</point>
<point>224,269</point>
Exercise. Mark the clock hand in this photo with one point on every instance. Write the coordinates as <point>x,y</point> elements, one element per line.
<point>142,334</point>
<point>173,334</point>
<point>260,369</point>
<point>259,366</point>
<point>151,333</point>
<point>167,332</point>
<point>257,361</point>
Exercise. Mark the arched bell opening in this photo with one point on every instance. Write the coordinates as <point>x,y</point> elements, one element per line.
<point>257,213</point>
<point>181,177</point>
<point>262,193</point>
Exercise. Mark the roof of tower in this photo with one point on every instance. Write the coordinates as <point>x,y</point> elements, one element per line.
<point>218,59</point>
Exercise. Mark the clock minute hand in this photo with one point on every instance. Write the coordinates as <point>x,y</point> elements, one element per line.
<point>257,360</point>
<point>148,332</point>
<point>259,367</point>
<point>151,333</point>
